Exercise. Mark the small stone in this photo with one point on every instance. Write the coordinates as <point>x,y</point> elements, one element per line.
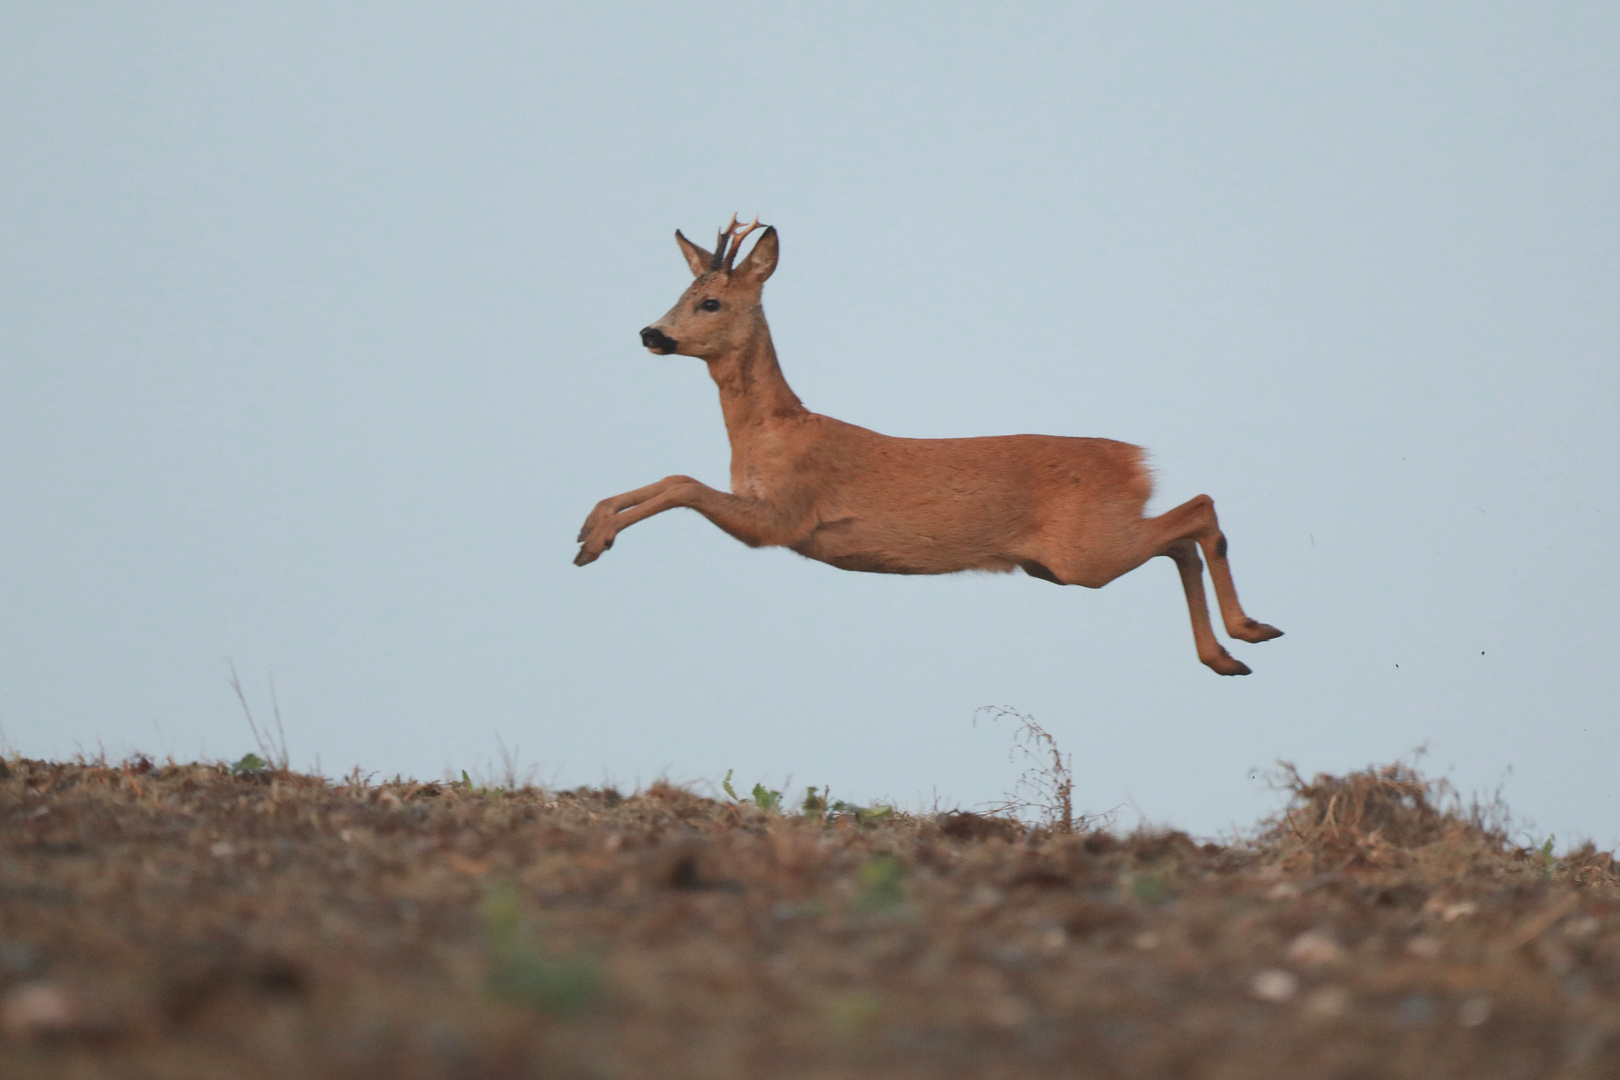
<point>1314,949</point>
<point>1008,1011</point>
<point>22,958</point>
<point>1416,1009</point>
<point>854,1010</point>
<point>1328,1002</point>
<point>1147,941</point>
<point>445,1043</point>
<point>1474,1012</point>
<point>38,1010</point>
<point>221,849</point>
<point>983,896</point>
<point>1424,947</point>
<point>1274,984</point>
<point>1283,890</point>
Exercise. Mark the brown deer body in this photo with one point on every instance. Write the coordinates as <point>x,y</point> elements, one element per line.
<point>1065,510</point>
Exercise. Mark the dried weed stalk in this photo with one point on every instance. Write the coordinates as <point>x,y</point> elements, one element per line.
<point>515,777</point>
<point>1046,784</point>
<point>272,745</point>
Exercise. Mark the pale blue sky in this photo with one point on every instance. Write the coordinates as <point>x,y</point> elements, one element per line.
<point>320,341</point>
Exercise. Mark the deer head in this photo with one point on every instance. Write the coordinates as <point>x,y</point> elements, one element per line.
<point>720,310</point>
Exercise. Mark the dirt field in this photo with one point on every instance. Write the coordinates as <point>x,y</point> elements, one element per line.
<point>185,921</point>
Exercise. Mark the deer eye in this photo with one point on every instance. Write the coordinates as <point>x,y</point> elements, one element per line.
<point>710,304</point>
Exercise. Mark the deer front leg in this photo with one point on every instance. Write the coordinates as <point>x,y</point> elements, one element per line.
<point>753,521</point>
<point>608,507</point>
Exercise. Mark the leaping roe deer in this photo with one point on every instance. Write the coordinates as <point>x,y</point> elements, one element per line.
<point>1065,510</point>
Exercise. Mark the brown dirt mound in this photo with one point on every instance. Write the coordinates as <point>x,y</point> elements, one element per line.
<point>184,921</point>
<point>1388,807</point>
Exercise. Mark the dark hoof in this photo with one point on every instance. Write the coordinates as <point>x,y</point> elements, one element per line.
<point>1256,632</point>
<point>1227,664</point>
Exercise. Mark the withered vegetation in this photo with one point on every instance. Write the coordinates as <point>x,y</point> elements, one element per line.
<point>198,921</point>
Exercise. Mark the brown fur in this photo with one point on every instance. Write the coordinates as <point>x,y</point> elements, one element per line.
<point>1065,510</point>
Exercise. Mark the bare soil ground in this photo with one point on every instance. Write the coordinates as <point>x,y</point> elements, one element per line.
<point>183,921</point>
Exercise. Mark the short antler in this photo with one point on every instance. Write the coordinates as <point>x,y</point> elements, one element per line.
<point>738,235</point>
<point>734,234</point>
<point>720,244</point>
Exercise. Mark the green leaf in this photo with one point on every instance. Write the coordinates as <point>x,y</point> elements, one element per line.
<point>521,971</point>
<point>854,1010</point>
<point>250,763</point>
<point>814,805</point>
<point>876,814</point>
<point>1153,888</point>
<point>557,985</point>
<point>882,885</point>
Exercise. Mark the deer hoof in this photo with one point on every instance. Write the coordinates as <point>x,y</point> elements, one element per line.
<point>597,515</point>
<point>592,550</point>
<point>1254,632</point>
<point>1226,664</point>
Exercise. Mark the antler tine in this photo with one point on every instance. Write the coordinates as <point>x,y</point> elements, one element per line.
<point>719,258</point>
<point>739,237</point>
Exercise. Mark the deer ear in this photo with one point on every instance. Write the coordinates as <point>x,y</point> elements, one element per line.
<point>698,259</point>
<point>761,262</point>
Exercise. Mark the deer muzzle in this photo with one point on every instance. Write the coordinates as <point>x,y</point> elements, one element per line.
<point>658,341</point>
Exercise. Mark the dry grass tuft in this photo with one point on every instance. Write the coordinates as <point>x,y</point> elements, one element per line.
<point>1392,802</point>
<point>1371,814</point>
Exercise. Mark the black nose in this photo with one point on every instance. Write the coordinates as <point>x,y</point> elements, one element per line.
<point>656,340</point>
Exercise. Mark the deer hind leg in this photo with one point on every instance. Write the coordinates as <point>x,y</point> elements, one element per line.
<point>1195,519</point>
<point>1214,656</point>
<point>1188,527</point>
<point>752,521</point>
<point>1177,535</point>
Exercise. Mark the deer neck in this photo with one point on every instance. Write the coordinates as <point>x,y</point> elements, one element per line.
<point>753,392</point>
